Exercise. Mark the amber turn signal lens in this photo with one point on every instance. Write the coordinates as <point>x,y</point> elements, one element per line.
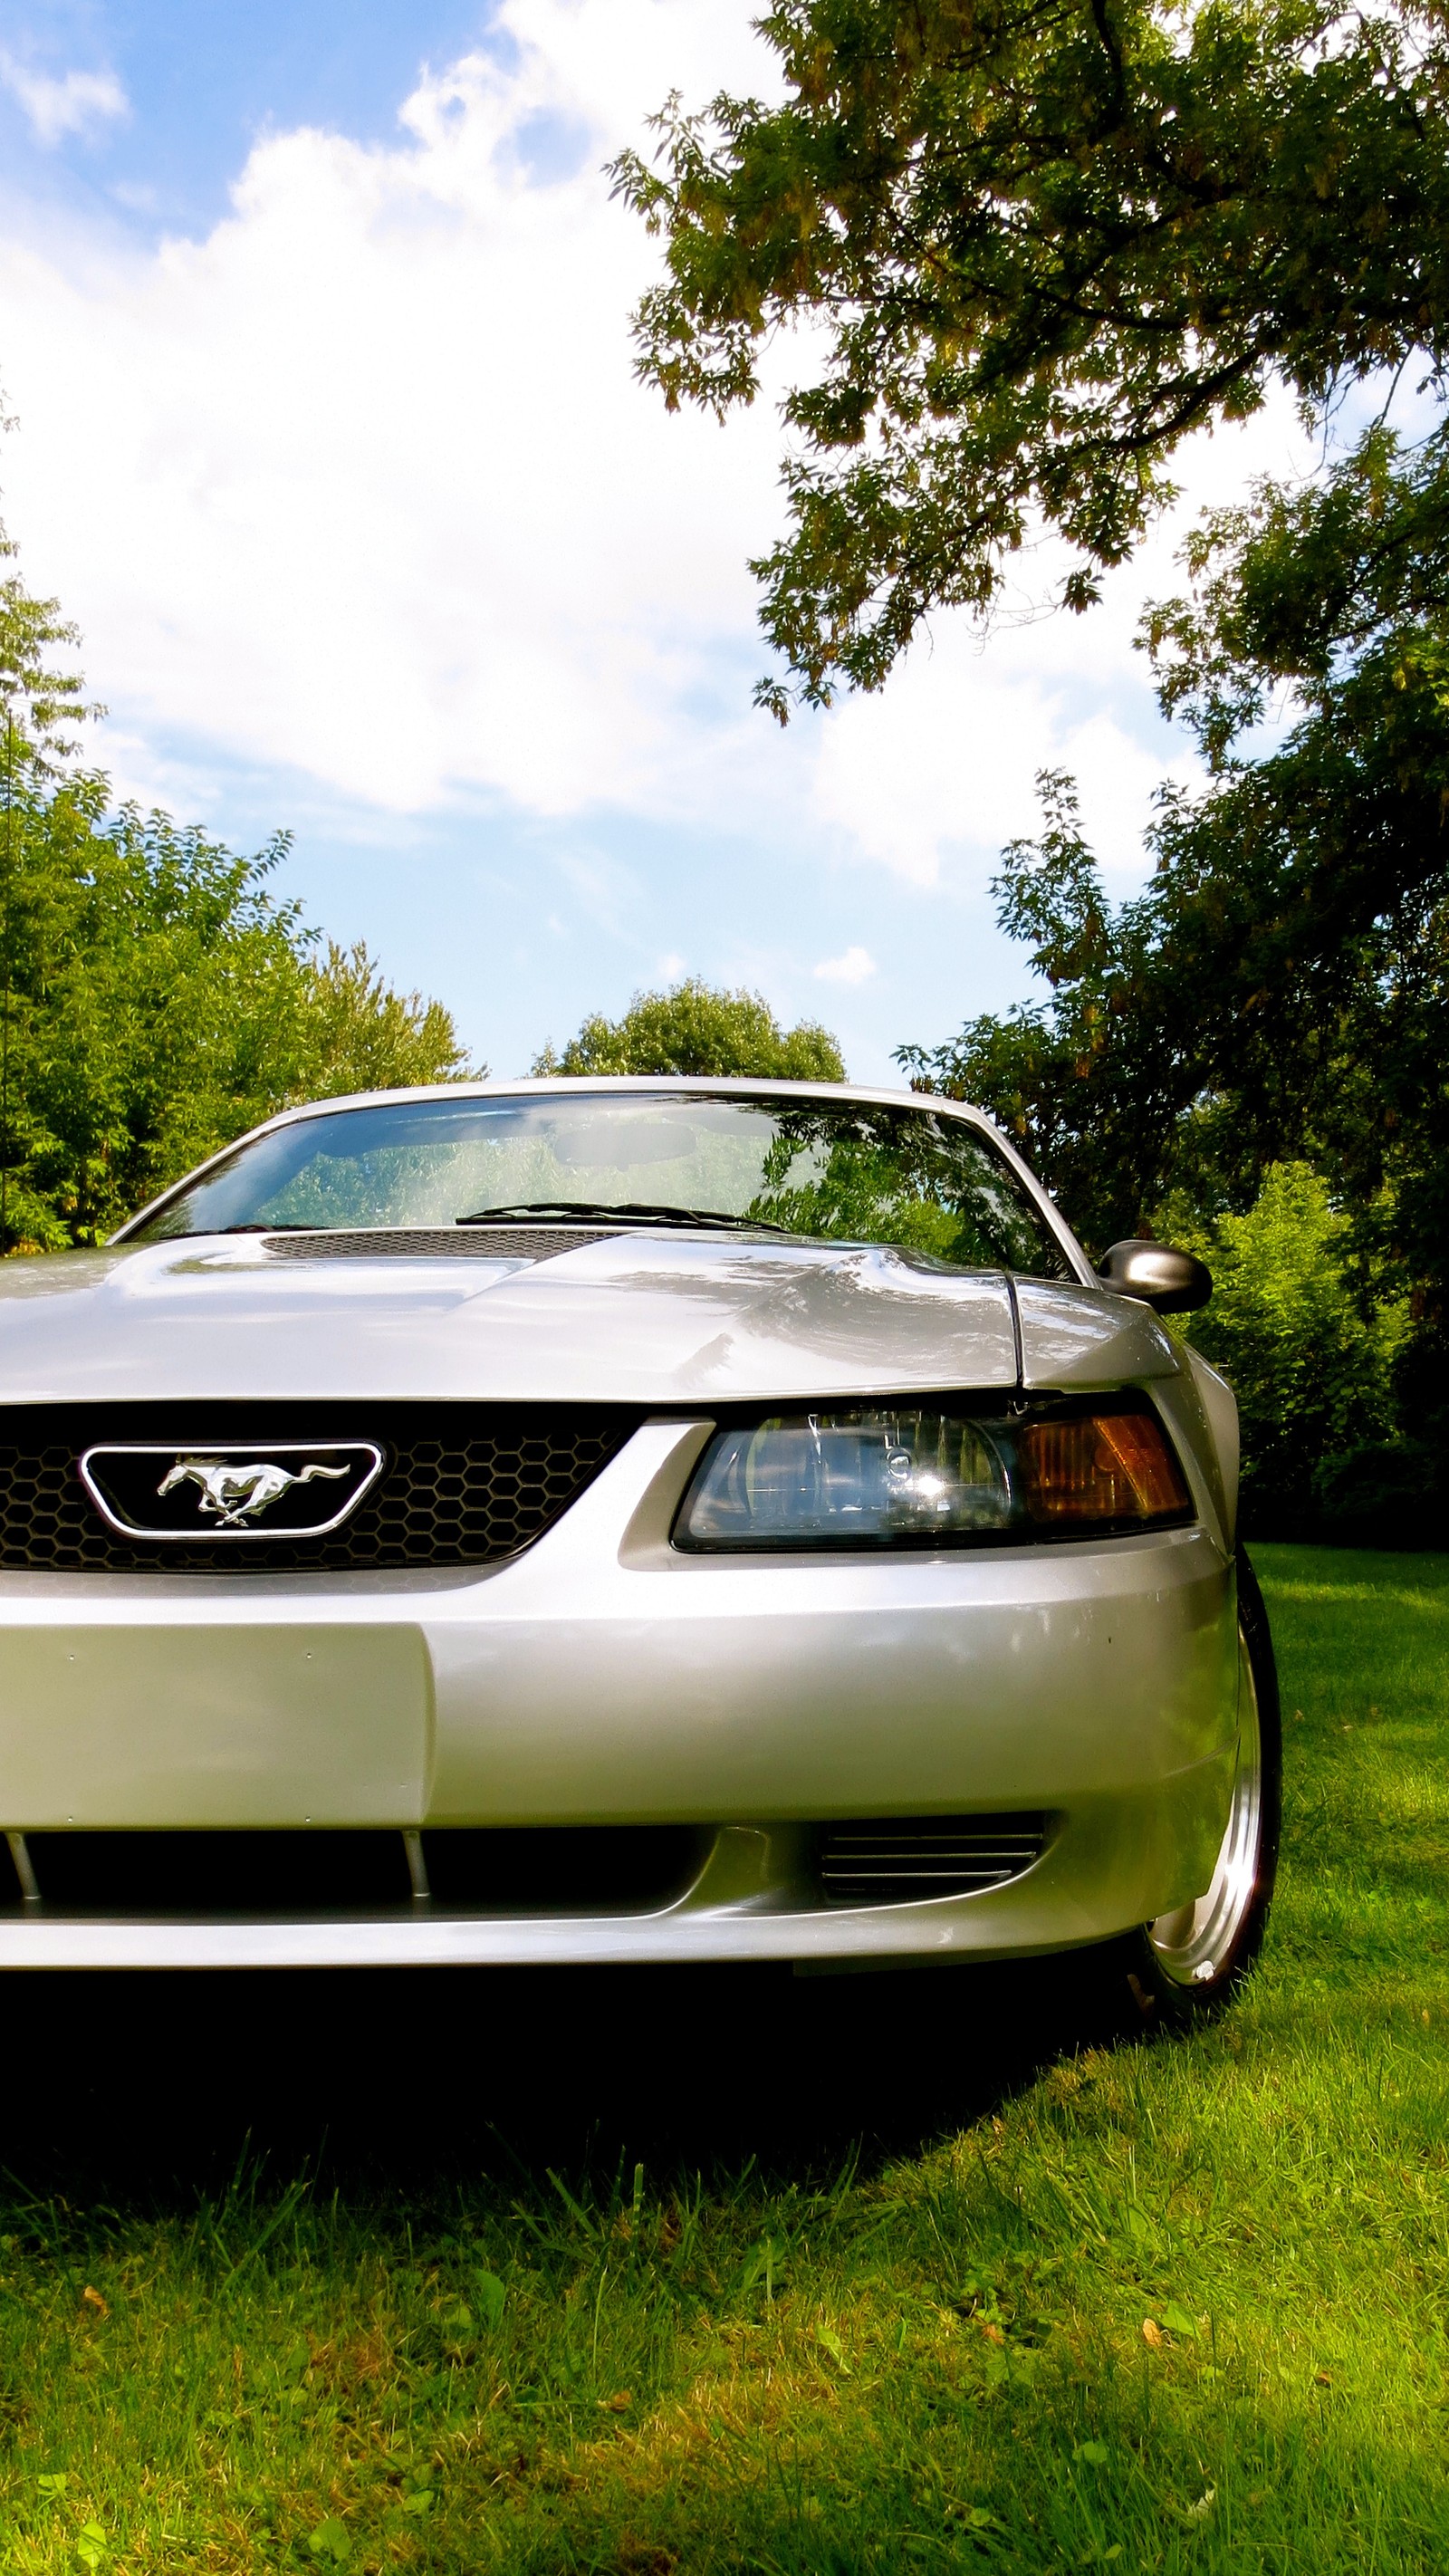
<point>1099,1467</point>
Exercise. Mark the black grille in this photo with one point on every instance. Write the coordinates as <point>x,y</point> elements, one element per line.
<point>898,1860</point>
<point>561,1869</point>
<point>491,1870</point>
<point>476,1242</point>
<point>461,1484</point>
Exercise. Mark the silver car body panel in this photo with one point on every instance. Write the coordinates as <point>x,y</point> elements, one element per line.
<point>601,1676</point>
<point>630,1319</point>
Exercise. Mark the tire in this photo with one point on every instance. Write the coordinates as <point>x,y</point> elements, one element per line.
<point>1188,1964</point>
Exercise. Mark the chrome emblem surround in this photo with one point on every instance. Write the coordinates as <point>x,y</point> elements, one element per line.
<point>235,1482</point>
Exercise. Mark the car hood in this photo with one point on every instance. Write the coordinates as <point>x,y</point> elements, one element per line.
<point>646,1319</point>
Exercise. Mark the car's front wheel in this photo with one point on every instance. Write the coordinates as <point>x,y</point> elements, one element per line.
<point>1187,1964</point>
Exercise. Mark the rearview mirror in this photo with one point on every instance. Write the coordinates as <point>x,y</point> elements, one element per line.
<point>1172,1281</point>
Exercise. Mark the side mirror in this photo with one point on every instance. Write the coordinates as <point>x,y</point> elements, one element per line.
<point>1172,1281</point>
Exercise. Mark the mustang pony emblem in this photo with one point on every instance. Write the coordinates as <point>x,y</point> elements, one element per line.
<point>232,1495</point>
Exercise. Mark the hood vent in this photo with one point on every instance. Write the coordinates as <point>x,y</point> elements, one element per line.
<point>445,1243</point>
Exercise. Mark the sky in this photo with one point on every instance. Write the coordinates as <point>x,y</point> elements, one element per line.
<point>314,338</point>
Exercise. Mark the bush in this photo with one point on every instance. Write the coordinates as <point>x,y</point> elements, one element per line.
<point>1385,1493</point>
<point>1309,1353</point>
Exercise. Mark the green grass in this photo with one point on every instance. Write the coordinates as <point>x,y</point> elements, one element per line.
<point>1170,2306</point>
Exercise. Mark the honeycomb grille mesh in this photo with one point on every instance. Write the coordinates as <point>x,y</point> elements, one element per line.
<point>461,1484</point>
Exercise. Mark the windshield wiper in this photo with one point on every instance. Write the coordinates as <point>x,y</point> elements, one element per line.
<point>643,1209</point>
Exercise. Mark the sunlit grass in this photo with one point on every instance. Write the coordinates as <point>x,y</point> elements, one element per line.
<point>1164,2307</point>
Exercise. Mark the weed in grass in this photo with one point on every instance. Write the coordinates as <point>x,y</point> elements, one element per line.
<point>1178,2307</point>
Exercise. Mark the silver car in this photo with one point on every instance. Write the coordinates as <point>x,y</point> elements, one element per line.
<point>624,1520</point>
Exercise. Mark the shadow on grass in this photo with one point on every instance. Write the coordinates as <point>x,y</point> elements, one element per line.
<point>127,2086</point>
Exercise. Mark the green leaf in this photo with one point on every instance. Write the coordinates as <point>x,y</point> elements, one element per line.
<point>1096,2453</point>
<point>767,2263</point>
<point>1177,2320</point>
<point>418,2500</point>
<point>827,2336</point>
<point>52,2482</point>
<point>491,2296</point>
<point>330,2540</point>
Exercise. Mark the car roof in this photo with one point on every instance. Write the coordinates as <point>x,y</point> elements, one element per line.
<point>745,1086</point>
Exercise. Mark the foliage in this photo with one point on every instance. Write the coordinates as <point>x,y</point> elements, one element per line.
<point>698,1028</point>
<point>1040,246</point>
<point>41,705</point>
<point>155,999</point>
<point>1385,1493</point>
<point>358,1033</point>
<point>1309,1358</point>
<point>681,2321</point>
<point>1280,990</point>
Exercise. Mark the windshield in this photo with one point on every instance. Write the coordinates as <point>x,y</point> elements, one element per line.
<point>843,1169</point>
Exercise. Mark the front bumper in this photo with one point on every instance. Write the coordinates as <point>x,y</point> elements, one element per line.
<point>603,1678</point>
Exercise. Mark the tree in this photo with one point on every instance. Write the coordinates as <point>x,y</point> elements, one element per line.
<point>359,1034</point>
<point>1035,249</point>
<point>1041,244</point>
<point>698,1028</point>
<point>1310,1364</point>
<point>1279,993</point>
<point>155,998</point>
<point>1281,988</point>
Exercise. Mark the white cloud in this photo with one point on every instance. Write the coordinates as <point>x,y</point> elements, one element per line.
<point>942,762</point>
<point>855,967</point>
<point>68,105</point>
<point>377,496</point>
<point>374,500</point>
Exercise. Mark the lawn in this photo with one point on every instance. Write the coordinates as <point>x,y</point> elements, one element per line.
<point>749,2274</point>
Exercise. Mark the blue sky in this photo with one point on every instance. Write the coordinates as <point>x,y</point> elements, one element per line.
<point>201,80</point>
<point>313,321</point>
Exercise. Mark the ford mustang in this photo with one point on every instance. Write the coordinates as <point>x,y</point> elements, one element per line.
<point>625,1520</point>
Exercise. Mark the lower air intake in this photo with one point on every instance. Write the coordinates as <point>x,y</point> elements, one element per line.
<point>208,1877</point>
<point>899,1860</point>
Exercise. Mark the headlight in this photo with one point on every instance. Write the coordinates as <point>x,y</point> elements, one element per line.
<point>935,1476</point>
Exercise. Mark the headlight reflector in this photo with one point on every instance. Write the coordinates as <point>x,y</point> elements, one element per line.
<point>934,1475</point>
